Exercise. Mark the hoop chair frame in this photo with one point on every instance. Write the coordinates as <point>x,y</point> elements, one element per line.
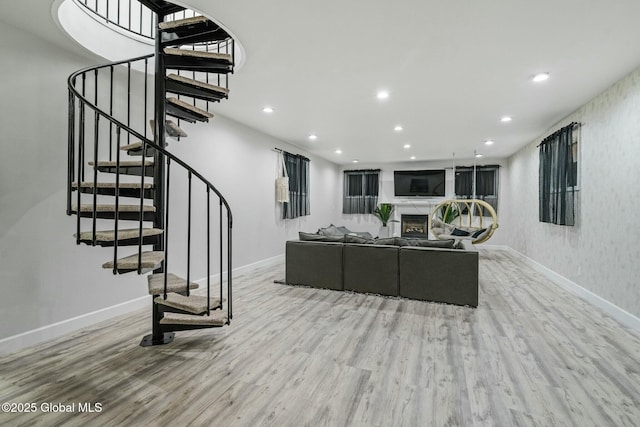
<point>475,209</point>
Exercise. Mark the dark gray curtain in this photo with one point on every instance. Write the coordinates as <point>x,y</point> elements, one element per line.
<point>360,191</point>
<point>487,180</point>
<point>557,178</point>
<point>298,171</point>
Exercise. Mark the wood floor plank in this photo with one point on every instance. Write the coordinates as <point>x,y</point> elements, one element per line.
<point>531,354</point>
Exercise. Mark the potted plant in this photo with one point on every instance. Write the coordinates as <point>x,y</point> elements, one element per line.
<point>384,212</point>
<point>449,212</point>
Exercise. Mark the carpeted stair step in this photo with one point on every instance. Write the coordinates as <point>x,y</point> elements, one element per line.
<point>170,128</point>
<point>216,318</point>
<point>150,261</point>
<point>174,283</point>
<point>162,7</point>
<point>197,29</point>
<point>197,60</point>
<point>127,167</point>
<point>126,237</point>
<point>195,304</point>
<point>108,211</point>
<point>127,189</point>
<point>185,111</point>
<point>181,85</point>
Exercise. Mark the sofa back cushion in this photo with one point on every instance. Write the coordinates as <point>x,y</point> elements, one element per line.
<point>440,275</point>
<point>316,264</point>
<point>371,269</point>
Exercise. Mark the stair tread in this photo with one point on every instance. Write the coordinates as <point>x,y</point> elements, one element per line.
<point>183,22</point>
<point>185,105</point>
<point>91,184</point>
<point>150,259</point>
<point>88,207</point>
<point>110,235</point>
<point>174,283</point>
<point>197,54</point>
<point>134,146</point>
<point>171,128</point>
<point>216,318</point>
<point>198,83</point>
<point>123,163</point>
<point>195,304</point>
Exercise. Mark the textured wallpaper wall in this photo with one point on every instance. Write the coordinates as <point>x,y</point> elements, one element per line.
<point>601,253</point>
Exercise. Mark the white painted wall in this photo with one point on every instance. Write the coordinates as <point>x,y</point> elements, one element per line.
<point>600,253</point>
<point>45,277</point>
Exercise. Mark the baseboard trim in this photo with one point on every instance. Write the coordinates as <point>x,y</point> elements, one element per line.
<point>40,335</point>
<point>622,316</point>
<point>246,268</point>
<point>37,336</point>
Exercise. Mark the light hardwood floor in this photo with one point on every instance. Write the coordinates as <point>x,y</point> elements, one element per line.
<point>531,354</point>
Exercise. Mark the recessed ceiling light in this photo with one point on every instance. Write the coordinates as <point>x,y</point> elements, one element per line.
<point>267,110</point>
<point>412,157</point>
<point>338,151</point>
<point>383,94</point>
<point>478,155</point>
<point>488,142</point>
<point>313,137</point>
<point>355,161</point>
<point>398,128</point>
<point>506,119</point>
<point>540,77</point>
<point>407,146</point>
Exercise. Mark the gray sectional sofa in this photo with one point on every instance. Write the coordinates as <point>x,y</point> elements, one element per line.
<point>409,270</point>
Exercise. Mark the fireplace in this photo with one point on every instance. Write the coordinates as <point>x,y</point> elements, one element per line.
<point>414,226</point>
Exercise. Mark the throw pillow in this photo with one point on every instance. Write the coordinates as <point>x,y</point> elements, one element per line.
<point>343,230</point>
<point>425,243</point>
<point>313,237</point>
<point>357,239</point>
<point>331,230</point>
<point>458,232</point>
<point>478,233</point>
<point>387,241</point>
<point>363,234</point>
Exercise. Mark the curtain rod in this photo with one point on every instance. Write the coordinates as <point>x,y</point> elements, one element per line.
<point>471,166</point>
<point>280,150</point>
<point>572,124</point>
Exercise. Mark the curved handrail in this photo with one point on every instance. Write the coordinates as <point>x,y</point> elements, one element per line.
<point>145,140</point>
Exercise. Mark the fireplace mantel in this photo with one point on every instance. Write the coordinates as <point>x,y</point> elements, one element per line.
<point>412,207</point>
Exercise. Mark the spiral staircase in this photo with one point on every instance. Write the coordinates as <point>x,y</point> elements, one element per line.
<point>120,181</point>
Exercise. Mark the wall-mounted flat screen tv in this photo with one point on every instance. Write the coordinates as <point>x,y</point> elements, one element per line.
<point>426,183</point>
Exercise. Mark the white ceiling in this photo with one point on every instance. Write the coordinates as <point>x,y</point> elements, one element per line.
<point>452,68</point>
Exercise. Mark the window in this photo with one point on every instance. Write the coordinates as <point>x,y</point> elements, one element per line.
<point>558,176</point>
<point>298,171</point>
<point>486,181</point>
<point>360,192</point>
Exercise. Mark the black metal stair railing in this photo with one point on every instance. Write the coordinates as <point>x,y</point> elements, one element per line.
<point>101,121</point>
<point>130,15</point>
